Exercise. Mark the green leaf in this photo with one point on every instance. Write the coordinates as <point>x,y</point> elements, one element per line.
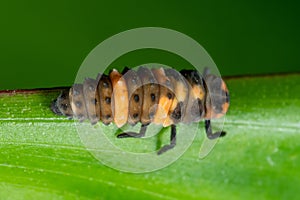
<point>42,155</point>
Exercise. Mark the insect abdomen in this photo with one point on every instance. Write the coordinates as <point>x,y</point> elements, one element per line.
<point>160,96</point>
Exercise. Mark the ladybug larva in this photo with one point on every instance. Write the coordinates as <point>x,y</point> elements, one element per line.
<point>160,96</point>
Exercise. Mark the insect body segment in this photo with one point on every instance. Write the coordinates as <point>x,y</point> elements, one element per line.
<point>161,96</point>
<point>91,98</point>
<point>166,96</point>
<point>105,89</point>
<point>151,93</point>
<point>195,105</point>
<point>134,85</point>
<point>119,98</point>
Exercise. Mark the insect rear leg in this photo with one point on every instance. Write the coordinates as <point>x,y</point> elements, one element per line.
<point>210,134</point>
<point>172,141</point>
<point>134,134</point>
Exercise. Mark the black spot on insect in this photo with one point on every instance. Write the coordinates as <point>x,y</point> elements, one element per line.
<point>63,95</point>
<point>136,98</point>
<point>64,106</point>
<point>105,84</point>
<point>169,95</point>
<point>108,100</point>
<point>200,106</point>
<point>176,114</point>
<point>152,97</point>
<point>227,97</point>
<point>185,73</point>
<point>197,109</point>
<point>195,77</point>
<point>55,108</point>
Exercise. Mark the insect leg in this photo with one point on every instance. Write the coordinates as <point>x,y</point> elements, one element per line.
<point>209,133</point>
<point>172,141</point>
<point>134,134</point>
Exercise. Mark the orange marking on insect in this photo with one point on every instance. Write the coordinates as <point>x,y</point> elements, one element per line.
<point>163,108</point>
<point>119,98</point>
<point>210,114</point>
<point>198,92</point>
<point>168,121</point>
<point>224,87</point>
<point>164,102</point>
<point>225,107</point>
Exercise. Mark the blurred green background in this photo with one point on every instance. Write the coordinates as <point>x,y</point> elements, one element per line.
<point>42,44</point>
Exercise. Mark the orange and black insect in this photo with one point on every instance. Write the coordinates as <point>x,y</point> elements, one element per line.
<point>160,96</point>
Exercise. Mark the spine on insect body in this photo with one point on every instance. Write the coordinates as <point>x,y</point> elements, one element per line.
<point>158,95</point>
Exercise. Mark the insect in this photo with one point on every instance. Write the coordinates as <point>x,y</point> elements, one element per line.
<point>161,96</point>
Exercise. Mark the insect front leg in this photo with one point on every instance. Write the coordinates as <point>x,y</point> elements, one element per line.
<point>134,134</point>
<point>210,134</point>
<point>172,141</point>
